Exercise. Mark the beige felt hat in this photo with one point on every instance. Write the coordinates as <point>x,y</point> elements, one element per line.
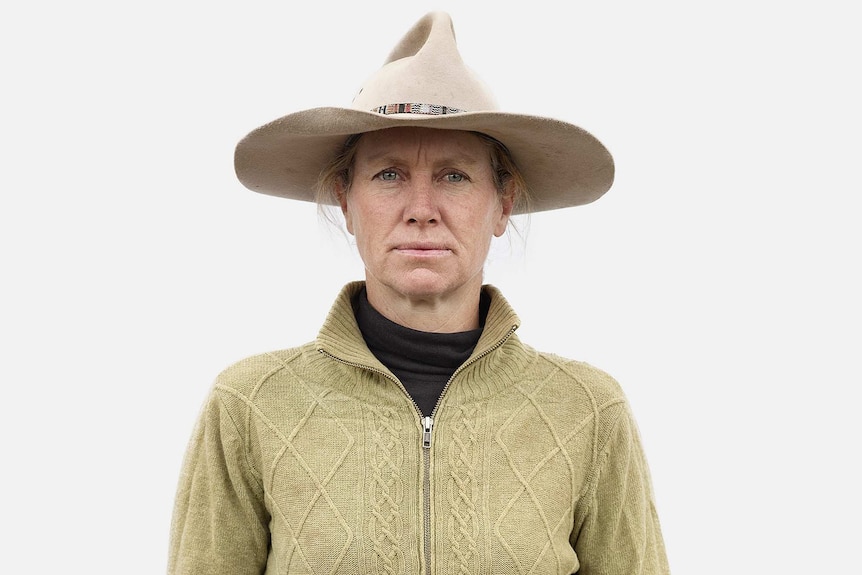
<point>424,82</point>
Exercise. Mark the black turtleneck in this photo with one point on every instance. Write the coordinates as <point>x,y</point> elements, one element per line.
<point>423,361</point>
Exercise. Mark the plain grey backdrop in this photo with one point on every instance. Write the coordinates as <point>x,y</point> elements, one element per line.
<point>718,280</point>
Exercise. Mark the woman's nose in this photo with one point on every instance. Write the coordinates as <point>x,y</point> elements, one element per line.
<point>421,204</point>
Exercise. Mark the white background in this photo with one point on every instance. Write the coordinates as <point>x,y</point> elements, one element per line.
<point>718,280</point>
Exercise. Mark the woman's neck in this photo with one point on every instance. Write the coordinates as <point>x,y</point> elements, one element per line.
<point>439,314</point>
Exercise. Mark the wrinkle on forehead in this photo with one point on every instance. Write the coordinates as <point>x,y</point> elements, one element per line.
<point>422,146</point>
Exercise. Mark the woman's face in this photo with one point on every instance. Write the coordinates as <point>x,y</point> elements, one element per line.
<point>423,207</point>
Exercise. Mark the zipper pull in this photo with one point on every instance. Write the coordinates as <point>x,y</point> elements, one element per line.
<point>427,424</point>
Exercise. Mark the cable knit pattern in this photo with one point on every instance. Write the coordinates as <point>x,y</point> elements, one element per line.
<point>463,490</point>
<point>310,461</point>
<point>386,459</point>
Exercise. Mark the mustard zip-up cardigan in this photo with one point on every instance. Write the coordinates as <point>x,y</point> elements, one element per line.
<point>314,460</point>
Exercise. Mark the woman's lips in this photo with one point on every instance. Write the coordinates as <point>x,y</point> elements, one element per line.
<point>422,249</point>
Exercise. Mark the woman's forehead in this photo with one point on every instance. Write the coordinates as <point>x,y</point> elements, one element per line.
<point>422,144</point>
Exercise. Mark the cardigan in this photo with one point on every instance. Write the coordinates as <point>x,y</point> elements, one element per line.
<point>315,460</point>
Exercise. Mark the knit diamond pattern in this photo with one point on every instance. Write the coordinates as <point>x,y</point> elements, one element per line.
<point>303,522</point>
<point>545,437</point>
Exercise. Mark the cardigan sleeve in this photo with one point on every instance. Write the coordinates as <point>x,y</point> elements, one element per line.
<point>220,523</point>
<point>619,532</point>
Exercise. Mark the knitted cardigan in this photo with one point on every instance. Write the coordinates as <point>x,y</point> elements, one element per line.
<point>314,460</point>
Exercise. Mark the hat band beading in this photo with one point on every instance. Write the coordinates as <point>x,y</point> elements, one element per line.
<point>427,109</point>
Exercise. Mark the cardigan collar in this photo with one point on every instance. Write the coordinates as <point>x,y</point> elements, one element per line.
<point>341,338</point>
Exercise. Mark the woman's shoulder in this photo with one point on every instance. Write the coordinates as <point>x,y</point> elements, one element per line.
<point>579,377</point>
<point>250,373</point>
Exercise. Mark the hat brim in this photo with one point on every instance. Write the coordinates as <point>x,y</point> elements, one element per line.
<point>562,164</point>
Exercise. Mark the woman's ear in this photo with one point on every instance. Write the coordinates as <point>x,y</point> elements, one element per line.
<point>341,195</point>
<point>507,203</point>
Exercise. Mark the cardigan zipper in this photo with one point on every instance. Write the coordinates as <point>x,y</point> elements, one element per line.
<point>427,428</point>
<point>427,425</point>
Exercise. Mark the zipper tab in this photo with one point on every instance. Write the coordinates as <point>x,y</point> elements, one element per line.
<point>427,424</point>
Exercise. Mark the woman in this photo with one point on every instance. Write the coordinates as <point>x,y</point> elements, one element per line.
<point>417,433</point>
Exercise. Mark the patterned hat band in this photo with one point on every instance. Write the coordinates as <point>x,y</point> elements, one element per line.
<point>427,109</point>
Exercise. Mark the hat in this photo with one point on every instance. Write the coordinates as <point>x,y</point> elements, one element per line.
<point>425,83</point>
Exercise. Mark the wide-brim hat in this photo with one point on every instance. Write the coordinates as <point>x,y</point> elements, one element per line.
<point>425,83</point>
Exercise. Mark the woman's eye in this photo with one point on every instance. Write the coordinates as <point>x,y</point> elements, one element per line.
<point>387,175</point>
<point>455,177</point>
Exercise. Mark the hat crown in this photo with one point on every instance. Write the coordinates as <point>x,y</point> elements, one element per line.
<point>425,67</point>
